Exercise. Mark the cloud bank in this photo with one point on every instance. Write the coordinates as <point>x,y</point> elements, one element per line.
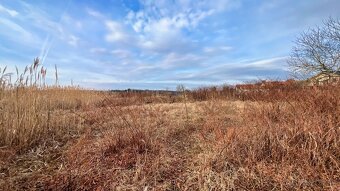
<point>157,44</point>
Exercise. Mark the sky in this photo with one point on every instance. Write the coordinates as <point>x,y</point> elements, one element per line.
<point>120,44</point>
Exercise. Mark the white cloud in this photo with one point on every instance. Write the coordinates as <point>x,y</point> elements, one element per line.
<point>94,13</point>
<point>43,23</point>
<point>175,60</point>
<point>143,21</point>
<point>116,32</point>
<point>16,33</point>
<point>217,49</point>
<point>138,26</point>
<point>271,63</point>
<point>238,71</point>
<point>161,36</point>
<point>11,12</point>
<point>14,27</point>
<point>67,19</point>
<point>121,53</point>
<point>161,26</point>
<point>39,19</point>
<point>73,40</point>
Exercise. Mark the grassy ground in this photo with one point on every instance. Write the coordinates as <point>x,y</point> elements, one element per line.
<point>71,139</point>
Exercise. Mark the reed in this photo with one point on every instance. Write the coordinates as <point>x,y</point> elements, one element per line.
<point>33,112</point>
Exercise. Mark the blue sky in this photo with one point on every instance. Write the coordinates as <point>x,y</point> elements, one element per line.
<point>120,44</point>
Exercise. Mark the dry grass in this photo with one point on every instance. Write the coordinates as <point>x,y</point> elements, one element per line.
<point>281,143</point>
<point>36,121</point>
<point>31,115</point>
<point>274,138</point>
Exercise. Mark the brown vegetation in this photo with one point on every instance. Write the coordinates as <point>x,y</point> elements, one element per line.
<point>279,136</point>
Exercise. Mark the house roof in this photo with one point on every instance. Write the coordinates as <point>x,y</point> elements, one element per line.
<point>329,74</point>
<point>324,76</point>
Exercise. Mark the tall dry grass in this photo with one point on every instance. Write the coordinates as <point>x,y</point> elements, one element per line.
<point>33,112</point>
<point>288,139</point>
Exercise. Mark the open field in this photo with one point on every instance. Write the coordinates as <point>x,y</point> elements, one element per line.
<point>281,138</point>
<point>170,95</point>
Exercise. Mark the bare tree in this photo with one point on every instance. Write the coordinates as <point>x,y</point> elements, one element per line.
<point>317,50</point>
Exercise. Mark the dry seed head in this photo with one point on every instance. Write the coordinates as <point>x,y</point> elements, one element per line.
<point>17,70</point>
<point>21,78</point>
<point>26,69</point>
<point>42,71</point>
<point>4,70</point>
<point>36,63</point>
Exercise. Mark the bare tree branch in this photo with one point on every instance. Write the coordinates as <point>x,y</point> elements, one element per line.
<point>317,50</point>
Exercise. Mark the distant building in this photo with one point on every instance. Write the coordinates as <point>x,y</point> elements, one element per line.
<point>325,78</point>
